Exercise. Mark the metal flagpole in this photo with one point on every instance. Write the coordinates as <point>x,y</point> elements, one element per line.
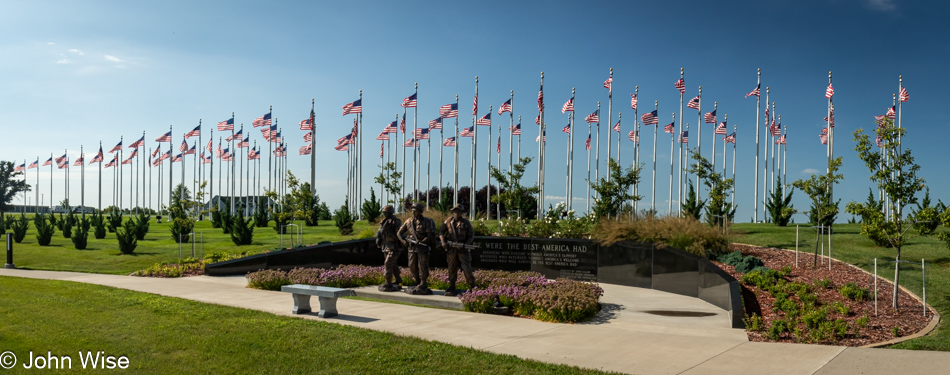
<point>472,209</point>
<point>415,153</point>
<point>51,181</point>
<point>597,151</point>
<point>679,187</point>
<point>656,107</point>
<point>429,164</point>
<point>221,181</point>
<point>511,132</point>
<point>402,129</point>
<point>784,156</point>
<point>758,106</point>
<point>519,138</point>
<point>570,165</point>
<point>231,173</point>
<point>725,120</point>
<point>672,170</point>
<point>699,135</point>
<point>587,146</point>
<point>715,108</point>
<point>455,193</point>
<point>358,154</point>
<point>610,122</point>
<point>541,139</point>
<point>82,181</point>
<point>498,185</point>
<point>774,155</point>
<point>636,148</point>
<point>488,171</point>
<point>679,175</point>
<point>765,151</point>
<point>735,129</point>
<point>100,180</point>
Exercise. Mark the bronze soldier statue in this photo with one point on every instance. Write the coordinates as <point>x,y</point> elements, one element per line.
<point>457,235</point>
<point>417,234</point>
<point>389,243</point>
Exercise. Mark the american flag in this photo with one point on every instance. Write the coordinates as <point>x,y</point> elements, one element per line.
<point>766,115</point>
<point>110,164</point>
<point>183,146</point>
<point>484,120</point>
<point>891,113</point>
<point>411,143</point>
<point>449,142</point>
<point>541,97</point>
<point>276,138</point>
<point>449,110</point>
<point>609,83</point>
<point>207,147</point>
<point>158,149</point>
<point>344,139</point>
<point>633,136</point>
<point>731,138</point>
<point>168,154</point>
<point>218,153</point>
<point>305,150</point>
<point>650,118</point>
<point>22,167</point>
<point>435,124</point>
<point>668,128</point>
<point>255,155</point>
<point>568,106</point>
<point>877,140</point>
<point>879,120</point>
<point>680,85</point>
<point>36,164</point>
<point>262,121</point>
<point>824,138</point>
<point>193,133</point>
<point>505,107</point>
<point>537,120</point>
<point>467,132</point>
<point>542,135</point>
<point>780,140</point>
<point>381,137</point>
<point>633,101</point>
<point>63,165</point>
<point>693,103</point>
<point>566,128</point>
<point>167,137</point>
<point>516,129</point>
<point>710,117</point>
<point>410,101</point>
<point>96,159</point>
<point>305,124</point>
<point>832,121</point>
<point>755,92</point>
<point>268,131</point>
<point>775,130</point>
<point>356,127</point>
<point>128,160</point>
<point>402,124</point>
<point>177,159</point>
<point>721,129</point>
<point>48,161</point>
<point>61,159</point>
<point>593,117</point>
<point>191,151</point>
<point>475,106</point>
<point>684,137</point>
<point>118,146</point>
<point>421,133</point>
<point>226,124</point>
<point>381,148</point>
<point>354,107</point>
<point>391,128</point>
<point>587,142</point>
<point>138,143</point>
<point>234,136</point>
<point>498,147</point>
<point>617,127</point>
<point>830,91</point>
<point>207,159</point>
<point>904,96</point>
<point>241,144</point>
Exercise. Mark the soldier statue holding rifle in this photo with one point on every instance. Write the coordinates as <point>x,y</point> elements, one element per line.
<point>389,243</point>
<point>457,236</point>
<point>417,234</point>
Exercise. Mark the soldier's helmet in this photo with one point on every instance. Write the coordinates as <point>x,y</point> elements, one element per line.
<point>419,207</point>
<point>389,209</point>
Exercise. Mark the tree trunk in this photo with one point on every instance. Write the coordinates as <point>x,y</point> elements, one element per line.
<point>897,275</point>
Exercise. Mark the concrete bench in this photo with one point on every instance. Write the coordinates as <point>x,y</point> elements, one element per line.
<point>327,295</point>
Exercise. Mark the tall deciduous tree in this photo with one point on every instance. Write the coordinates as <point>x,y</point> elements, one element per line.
<point>514,196</point>
<point>819,188</point>
<point>718,210</point>
<point>10,186</point>
<point>613,195</point>
<point>895,172</point>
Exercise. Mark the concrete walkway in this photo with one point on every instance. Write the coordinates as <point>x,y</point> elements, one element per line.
<point>639,331</point>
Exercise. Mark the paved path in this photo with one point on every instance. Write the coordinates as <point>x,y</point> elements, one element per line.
<point>639,331</point>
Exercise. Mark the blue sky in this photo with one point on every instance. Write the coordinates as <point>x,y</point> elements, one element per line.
<point>77,73</point>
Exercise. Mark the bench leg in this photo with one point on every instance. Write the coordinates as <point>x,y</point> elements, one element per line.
<point>301,303</point>
<point>327,307</point>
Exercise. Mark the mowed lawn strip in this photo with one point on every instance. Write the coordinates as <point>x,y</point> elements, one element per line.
<point>849,245</point>
<point>163,335</point>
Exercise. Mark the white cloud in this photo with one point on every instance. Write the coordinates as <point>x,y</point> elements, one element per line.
<point>76,51</point>
<point>809,171</point>
<point>114,59</point>
<point>881,5</point>
<point>51,43</point>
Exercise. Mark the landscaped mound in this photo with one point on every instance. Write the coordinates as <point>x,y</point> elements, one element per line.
<point>680,232</point>
<point>527,294</point>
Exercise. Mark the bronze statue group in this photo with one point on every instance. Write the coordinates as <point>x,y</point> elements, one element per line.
<point>418,235</point>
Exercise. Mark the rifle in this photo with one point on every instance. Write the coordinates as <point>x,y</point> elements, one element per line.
<point>460,245</point>
<point>414,242</point>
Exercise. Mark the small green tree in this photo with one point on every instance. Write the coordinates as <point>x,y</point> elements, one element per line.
<point>306,203</point>
<point>820,189</point>
<point>81,235</point>
<point>141,226</point>
<point>926,218</point>
<point>515,196</point>
<point>242,231</point>
<point>343,218</point>
<point>371,208</point>
<point>19,227</point>
<point>260,214</point>
<point>115,218</point>
<point>44,229</point>
<point>692,207</point>
<point>182,224</point>
<point>98,224</point>
<point>126,237</point>
<point>894,171</point>
<point>613,195</point>
<point>389,179</point>
<point>778,207</point>
<point>718,211</point>
<point>324,212</point>
<point>444,203</point>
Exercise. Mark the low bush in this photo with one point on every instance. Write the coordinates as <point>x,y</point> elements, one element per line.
<point>512,227</point>
<point>853,292</point>
<point>753,323</point>
<point>171,269</point>
<point>267,279</point>
<point>181,228</point>
<point>685,233</point>
<point>366,233</point>
<point>743,264</point>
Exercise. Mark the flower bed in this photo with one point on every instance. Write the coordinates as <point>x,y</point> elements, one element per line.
<point>527,294</point>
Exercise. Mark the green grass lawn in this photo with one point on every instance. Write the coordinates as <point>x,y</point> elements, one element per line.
<point>103,256</point>
<point>850,246</point>
<point>164,335</point>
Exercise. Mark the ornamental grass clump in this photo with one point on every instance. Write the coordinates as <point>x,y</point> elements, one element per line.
<point>683,233</point>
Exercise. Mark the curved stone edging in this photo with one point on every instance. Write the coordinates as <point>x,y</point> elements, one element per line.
<point>934,317</point>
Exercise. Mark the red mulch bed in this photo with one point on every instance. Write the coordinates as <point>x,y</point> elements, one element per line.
<point>909,318</point>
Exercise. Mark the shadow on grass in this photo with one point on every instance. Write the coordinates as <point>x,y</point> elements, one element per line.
<point>137,253</point>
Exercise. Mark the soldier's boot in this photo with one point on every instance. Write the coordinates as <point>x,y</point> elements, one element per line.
<point>450,291</point>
